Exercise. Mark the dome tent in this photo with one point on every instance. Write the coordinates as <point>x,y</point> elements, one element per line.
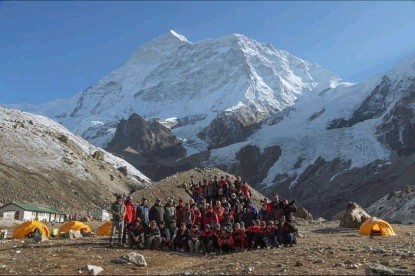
<point>29,227</point>
<point>105,229</point>
<point>376,227</point>
<point>74,225</point>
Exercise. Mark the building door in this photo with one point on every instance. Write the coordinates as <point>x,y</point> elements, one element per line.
<point>16,215</point>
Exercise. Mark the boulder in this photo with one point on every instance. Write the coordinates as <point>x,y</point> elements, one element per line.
<point>303,213</point>
<point>72,234</point>
<point>354,216</point>
<point>378,269</point>
<point>134,258</point>
<point>94,270</point>
<point>99,155</point>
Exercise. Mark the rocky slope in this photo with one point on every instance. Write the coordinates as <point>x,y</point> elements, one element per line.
<point>42,162</point>
<point>396,207</point>
<point>285,124</point>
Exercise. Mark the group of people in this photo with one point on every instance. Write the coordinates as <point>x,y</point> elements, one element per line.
<point>219,217</point>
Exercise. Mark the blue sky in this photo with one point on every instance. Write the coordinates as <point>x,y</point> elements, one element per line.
<point>55,49</point>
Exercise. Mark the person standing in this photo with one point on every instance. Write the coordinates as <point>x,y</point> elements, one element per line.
<point>129,217</point>
<point>156,212</point>
<point>117,211</point>
<point>142,212</point>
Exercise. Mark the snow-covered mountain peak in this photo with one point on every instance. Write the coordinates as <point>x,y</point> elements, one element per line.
<point>404,69</point>
<point>157,48</point>
<point>179,36</point>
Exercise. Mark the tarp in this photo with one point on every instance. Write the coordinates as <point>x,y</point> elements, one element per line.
<point>105,229</point>
<point>29,227</point>
<point>376,227</point>
<point>74,225</point>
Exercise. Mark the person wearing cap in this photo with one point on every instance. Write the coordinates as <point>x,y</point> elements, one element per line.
<point>156,212</point>
<point>228,219</point>
<point>117,211</point>
<point>169,211</point>
<point>193,239</point>
<point>129,217</point>
<point>239,237</point>
<point>142,212</point>
<point>251,233</point>
<point>248,216</point>
<point>219,210</point>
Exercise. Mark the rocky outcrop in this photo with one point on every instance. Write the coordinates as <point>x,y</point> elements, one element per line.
<point>303,213</point>
<point>231,127</point>
<point>253,165</point>
<point>354,216</point>
<point>397,130</point>
<point>373,106</point>
<point>396,207</point>
<point>139,136</point>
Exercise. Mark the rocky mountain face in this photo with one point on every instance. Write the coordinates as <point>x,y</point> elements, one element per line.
<point>42,162</point>
<point>149,146</point>
<point>396,207</point>
<point>286,125</point>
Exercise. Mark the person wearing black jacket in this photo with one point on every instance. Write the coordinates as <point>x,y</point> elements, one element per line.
<point>288,209</point>
<point>156,212</point>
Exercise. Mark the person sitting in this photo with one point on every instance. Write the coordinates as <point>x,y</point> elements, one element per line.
<point>272,235</point>
<point>289,234</point>
<point>172,232</point>
<point>136,234</point>
<point>164,235</point>
<point>207,239</point>
<point>180,242</point>
<point>251,233</point>
<point>153,237</point>
<point>239,238</point>
<point>225,241</point>
<point>193,239</point>
<point>260,237</point>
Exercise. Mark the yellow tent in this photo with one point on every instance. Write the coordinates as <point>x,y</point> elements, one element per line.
<point>28,227</point>
<point>74,225</point>
<point>105,229</point>
<point>376,227</point>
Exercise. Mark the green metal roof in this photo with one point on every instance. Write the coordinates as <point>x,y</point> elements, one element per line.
<point>34,208</point>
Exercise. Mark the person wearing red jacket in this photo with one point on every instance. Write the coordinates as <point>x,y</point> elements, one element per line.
<point>210,217</point>
<point>239,238</point>
<point>207,238</point>
<point>225,241</point>
<point>246,189</point>
<point>251,233</point>
<point>129,217</point>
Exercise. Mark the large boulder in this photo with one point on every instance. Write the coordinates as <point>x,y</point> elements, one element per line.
<point>354,216</point>
<point>303,213</point>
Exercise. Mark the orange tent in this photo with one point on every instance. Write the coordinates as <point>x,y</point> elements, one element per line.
<point>105,229</point>
<point>74,225</point>
<point>28,227</point>
<point>377,227</point>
